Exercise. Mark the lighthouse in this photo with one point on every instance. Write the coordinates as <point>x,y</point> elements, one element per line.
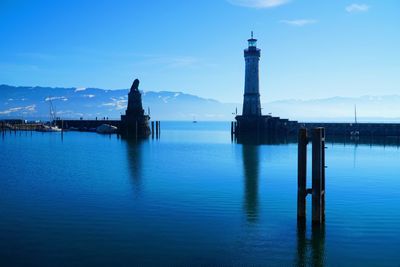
<point>252,125</point>
<point>251,120</point>
<point>251,98</point>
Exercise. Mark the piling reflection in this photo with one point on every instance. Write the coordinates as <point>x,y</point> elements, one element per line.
<point>134,158</point>
<point>310,251</point>
<point>250,155</point>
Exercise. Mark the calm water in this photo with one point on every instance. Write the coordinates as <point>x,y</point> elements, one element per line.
<point>190,198</point>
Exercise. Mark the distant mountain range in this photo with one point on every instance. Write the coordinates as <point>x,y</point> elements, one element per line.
<point>32,103</point>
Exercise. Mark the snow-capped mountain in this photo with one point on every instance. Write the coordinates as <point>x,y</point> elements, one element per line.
<point>34,103</point>
<point>89,103</point>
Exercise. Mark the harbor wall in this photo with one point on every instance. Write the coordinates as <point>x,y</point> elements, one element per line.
<point>360,129</point>
<point>85,124</point>
<point>268,125</point>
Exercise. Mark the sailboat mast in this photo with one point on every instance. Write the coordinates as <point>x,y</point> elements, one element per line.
<point>355,114</point>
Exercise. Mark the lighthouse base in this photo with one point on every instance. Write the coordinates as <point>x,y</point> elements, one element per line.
<point>264,125</point>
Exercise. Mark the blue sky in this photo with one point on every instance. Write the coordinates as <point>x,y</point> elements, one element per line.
<point>309,49</point>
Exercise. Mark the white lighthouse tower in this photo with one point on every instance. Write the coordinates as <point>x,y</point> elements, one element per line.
<point>251,101</point>
<point>252,125</point>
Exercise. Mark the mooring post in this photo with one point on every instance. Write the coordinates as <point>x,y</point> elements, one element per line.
<point>62,130</point>
<point>323,174</point>
<point>317,174</point>
<point>236,129</point>
<point>152,129</point>
<point>157,129</point>
<point>302,173</point>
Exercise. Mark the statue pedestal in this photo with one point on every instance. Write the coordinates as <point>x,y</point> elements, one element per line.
<point>134,123</point>
<point>132,126</point>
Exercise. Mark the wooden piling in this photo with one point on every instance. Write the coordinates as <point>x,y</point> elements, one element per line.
<point>232,123</point>
<point>152,129</point>
<point>235,129</point>
<point>317,174</point>
<point>62,130</point>
<point>157,129</point>
<point>323,174</point>
<point>302,173</point>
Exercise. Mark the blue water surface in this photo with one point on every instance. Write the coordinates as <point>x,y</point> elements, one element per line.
<point>191,198</point>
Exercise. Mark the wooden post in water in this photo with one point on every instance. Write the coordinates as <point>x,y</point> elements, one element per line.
<point>318,175</point>
<point>235,129</point>
<point>62,129</point>
<point>158,130</point>
<point>302,173</point>
<point>323,174</point>
<point>317,167</point>
<point>152,129</point>
<point>232,123</point>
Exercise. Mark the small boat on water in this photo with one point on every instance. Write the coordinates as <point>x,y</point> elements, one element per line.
<point>51,127</point>
<point>106,129</point>
<point>48,128</point>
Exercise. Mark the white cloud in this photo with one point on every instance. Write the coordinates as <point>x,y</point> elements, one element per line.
<point>299,22</point>
<point>63,98</point>
<point>117,104</point>
<point>31,108</point>
<point>355,8</point>
<point>89,96</point>
<point>10,110</point>
<point>259,3</point>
